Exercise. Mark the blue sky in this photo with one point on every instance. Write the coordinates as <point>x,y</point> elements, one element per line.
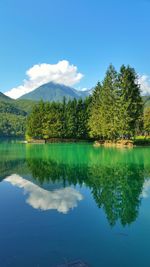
<point>90,34</point>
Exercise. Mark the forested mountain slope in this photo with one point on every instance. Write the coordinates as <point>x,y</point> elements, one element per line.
<point>13,114</point>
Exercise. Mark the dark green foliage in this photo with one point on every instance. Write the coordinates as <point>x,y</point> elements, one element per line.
<point>131,104</point>
<point>103,121</point>
<point>117,106</point>
<point>71,119</point>
<point>59,120</point>
<point>81,109</point>
<point>12,125</point>
<point>25,105</point>
<point>109,103</point>
<point>147,121</point>
<point>6,107</point>
<point>13,115</point>
<point>35,121</point>
<point>95,117</point>
<point>52,124</point>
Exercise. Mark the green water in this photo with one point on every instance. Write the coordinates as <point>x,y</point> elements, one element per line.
<point>61,202</point>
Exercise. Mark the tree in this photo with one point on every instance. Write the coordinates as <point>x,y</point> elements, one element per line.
<point>103,114</point>
<point>94,122</point>
<point>35,121</point>
<point>147,120</point>
<point>109,111</point>
<point>71,118</point>
<point>130,104</point>
<point>63,117</point>
<point>82,118</point>
<point>52,121</point>
<point>59,120</point>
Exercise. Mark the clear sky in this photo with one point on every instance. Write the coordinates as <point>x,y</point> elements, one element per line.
<point>89,34</point>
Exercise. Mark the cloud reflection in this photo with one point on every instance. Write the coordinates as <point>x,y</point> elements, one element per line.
<point>146,189</point>
<point>61,200</point>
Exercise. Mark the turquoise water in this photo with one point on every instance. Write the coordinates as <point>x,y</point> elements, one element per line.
<point>61,202</point>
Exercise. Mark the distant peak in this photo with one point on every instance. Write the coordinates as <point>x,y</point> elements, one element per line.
<point>52,91</point>
<point>5,97</point>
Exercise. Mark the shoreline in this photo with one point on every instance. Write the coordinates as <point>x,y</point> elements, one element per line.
<point>58,140</point>
<point>122,143</point>
<point>118,144</point>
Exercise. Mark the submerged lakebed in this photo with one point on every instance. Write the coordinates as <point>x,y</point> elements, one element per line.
<point>62,202</point>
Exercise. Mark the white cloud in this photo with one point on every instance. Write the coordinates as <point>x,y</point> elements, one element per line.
<point>84,89</point>
<point>144,81</point>
<point>61,200</point>
<point>62,72</point>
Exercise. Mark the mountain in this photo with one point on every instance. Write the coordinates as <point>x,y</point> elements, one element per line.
<point>5,98</point>
<point>54,92</point>
<point>17,106</point>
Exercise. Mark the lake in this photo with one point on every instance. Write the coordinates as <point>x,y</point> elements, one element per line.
<point>62,202</point>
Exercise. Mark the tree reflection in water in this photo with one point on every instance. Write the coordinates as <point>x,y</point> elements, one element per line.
<point>115,178</point>
<point>116,189</point>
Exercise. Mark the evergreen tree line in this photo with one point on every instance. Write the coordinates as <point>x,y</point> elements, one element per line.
<point>115,110</point>
<point>59,120</point>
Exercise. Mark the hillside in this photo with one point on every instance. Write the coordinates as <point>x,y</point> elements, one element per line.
<point>17,106</point>
<point>54,92</point>
<point>13,115</point>
<point>24,104</point>
<point>5,98</point>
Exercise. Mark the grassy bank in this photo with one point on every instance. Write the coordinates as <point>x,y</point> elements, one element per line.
<point>142,141</point>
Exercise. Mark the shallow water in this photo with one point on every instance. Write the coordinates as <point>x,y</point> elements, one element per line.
<point>62,202</point>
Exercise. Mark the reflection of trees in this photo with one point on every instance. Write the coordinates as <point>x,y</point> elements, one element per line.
<point>7,167</point>
<point>118,191</point>
<point>115,177</point>
<point>116,188</point>
<point>12,159</point>
<point>51,171</point>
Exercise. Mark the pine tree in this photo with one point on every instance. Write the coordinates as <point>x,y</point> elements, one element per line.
<point>71,118</point>
<point>94,122</point>
<point>82,117</point>
<point>52,121</point>
<point>108,107</point>
<point>131,104</point>
<point>35,121</point>
<point>103,115</point>
<point>63,118</point>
